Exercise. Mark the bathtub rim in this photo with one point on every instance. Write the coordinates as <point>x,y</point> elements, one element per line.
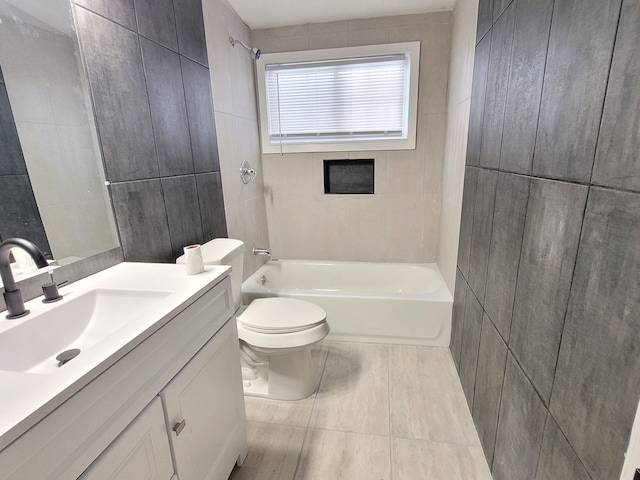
<point>252,286</point>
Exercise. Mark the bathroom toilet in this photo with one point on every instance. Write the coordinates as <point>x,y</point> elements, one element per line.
<point>276,334</point>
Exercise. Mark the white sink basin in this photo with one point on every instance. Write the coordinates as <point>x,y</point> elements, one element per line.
<point>80,322</point>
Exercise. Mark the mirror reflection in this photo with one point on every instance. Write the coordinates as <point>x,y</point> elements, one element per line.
<point>52,189</point>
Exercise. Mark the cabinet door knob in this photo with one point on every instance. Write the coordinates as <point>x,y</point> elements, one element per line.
<point>178,427</point>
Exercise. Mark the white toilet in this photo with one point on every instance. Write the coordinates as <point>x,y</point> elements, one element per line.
<point>276,334</point>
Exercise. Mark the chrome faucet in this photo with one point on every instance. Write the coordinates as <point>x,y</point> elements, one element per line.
<point>261,251</point>
<point>12,295</point>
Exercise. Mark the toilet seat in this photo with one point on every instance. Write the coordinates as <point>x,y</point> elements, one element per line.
<point>279,315</point>
<point>272,324</point>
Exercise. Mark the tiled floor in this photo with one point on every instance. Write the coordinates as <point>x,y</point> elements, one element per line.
<point>382,412</point>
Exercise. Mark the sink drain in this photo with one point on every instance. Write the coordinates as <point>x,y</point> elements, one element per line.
<point>67,355</point>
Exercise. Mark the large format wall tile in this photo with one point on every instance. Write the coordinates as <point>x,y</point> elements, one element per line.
<point>478,95</point>
<point>120,98</point>
<point>168,109</point>
<point>157,22</point>
<point>204,142</point>
<point>557,458</point>
<point>19,214</point>
<point>183,212</point>
<point>569,316</point>
<point>552,231</point>
<point>531,36</point>
<point>497,84</point>
<point>492,357</point>
<point>512,194</point>
<point>520,427</point>
<point>466,220</point>
<point>119,11</point>
<point>481,234</point>
<point>470,345</point>
<point>617,162</point>
<point>12,158</point>
<point>580,49</point>
<point>595,394</point>
<point>153,109</point>
<point>457,318</point>
<point>485,18</point>
<point>499,6</point>
<point>214,222</point>
<point>142,221</point>
<point>190,28</point>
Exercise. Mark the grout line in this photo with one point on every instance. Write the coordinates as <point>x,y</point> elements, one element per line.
<point>605,95</point>
<point>313,407</point>
<point>509,74</point>
<point>515,287</point>
<point>544,75</point>
<point>495,436</point>
<point>389,400</point>
<point>569,297</point>
<point>321,375</point>
<point>544,430</point>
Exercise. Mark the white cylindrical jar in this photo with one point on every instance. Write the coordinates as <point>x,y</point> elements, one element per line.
<point>193,259</point>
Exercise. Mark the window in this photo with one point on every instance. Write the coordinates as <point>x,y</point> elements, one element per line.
<point>356,98</point>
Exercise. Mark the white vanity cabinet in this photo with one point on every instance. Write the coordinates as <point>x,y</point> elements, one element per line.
<point>202,410</point>
<point>202,419</point>
<point>120,425</point>
<point>140,452</point>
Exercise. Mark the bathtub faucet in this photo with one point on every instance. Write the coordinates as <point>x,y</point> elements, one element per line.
<point>261,251</point>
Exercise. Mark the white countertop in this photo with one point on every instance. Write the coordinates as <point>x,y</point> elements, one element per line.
<point>26,398</point>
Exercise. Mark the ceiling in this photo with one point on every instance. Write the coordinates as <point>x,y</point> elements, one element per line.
<point>278,13</point>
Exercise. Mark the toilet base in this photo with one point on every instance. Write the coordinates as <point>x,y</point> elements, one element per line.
<point>285,376</point>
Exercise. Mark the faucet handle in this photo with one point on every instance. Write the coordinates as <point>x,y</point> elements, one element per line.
<point>51,294</point>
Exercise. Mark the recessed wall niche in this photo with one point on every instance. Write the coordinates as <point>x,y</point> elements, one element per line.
<point>349,176</point>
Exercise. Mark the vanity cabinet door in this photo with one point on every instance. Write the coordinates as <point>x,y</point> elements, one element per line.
<point>140,451</point>
<point>204,410</point>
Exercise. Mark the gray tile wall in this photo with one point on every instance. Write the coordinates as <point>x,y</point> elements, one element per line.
<point>149,79</point>
<point>545,324</point>
<point>19,214</point>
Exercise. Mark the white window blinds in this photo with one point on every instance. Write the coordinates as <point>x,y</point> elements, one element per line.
<point>338,100</point>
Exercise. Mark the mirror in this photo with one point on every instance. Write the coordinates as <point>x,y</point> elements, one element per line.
<point>52,186</point>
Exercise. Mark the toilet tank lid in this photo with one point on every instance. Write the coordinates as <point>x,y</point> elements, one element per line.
<point>219,251</point>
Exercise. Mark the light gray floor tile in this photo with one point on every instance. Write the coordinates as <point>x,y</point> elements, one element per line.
<point>330,454</point>
<point>438,418</point>
<point>279,412</point>
<point>430,366</point>
<point>319,353</point>
<point>416,459</point>
<point>273,452</point>
<point>426,397</point>
<point>359,379</point>
<point>354,390</point>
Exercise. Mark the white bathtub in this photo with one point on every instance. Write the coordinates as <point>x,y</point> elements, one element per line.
<point>365,302</point>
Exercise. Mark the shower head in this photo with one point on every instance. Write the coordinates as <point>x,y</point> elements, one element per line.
<point>255,53</point>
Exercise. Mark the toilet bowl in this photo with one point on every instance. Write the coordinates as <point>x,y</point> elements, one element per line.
<point>276,334</point>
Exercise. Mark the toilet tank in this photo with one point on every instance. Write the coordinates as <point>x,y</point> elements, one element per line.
<point>227,251</point>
